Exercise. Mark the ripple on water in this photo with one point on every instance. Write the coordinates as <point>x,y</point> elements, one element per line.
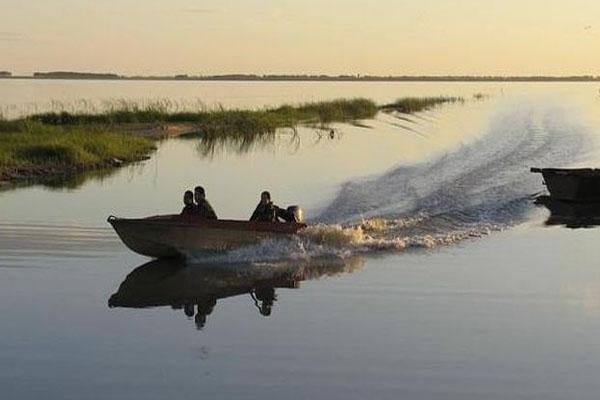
<point>31,245</point>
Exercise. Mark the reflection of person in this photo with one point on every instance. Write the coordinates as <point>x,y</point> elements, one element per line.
<point>189,208</point>
<point>266,295</point>
<point>265,211</point>
<point>188,309</point>
<point>204,309</point>
<point>203,207</point>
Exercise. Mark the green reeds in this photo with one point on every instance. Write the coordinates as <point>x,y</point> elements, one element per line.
<point>344,110</point>
<point>37,149</point>
<point>409,105</point>
<point>62,141</point>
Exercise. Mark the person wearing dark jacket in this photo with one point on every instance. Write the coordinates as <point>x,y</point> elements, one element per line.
<point>265,211</point>
<point>189,207</point>
<point>203,207</point>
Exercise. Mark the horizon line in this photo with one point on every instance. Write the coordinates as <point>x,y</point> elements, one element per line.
<point>75,75</point>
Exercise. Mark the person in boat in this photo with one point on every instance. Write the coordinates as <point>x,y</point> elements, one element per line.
<point>265,211</point>
<point>189,208</point>
<point>203,207</point>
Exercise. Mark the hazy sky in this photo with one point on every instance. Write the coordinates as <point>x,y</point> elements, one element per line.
<point>302,36</point>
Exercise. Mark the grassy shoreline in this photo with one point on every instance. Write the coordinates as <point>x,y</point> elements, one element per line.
<point>48,145</point>
<point>38,152</point>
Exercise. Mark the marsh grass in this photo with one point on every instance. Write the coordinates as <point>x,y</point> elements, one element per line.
<point>410,105</point>
<point>45,143</point>
<point>216,119</point>
<point>9,125</point>
<point>71,140</point>
<point>37,149</point>
<point>244,130</point>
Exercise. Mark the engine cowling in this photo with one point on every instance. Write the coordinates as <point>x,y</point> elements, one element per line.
<point>292,214</point>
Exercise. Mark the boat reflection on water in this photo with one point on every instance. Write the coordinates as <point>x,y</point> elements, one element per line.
<point>195,289</point>
<point>570,215</point>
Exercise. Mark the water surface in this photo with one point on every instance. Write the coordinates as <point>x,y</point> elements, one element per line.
<point>430,274</point>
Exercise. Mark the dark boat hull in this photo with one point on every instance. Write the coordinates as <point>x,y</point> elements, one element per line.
<point>572,185</point>
<point>175,236</point>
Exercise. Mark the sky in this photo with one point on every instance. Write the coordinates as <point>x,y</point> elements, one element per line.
<point>383,37</point>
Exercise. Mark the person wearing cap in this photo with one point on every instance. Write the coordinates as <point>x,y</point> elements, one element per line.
<point>265,211</point>
<point>203,207</point>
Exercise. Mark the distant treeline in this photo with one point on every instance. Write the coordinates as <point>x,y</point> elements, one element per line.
<point>329,78</point>
<point>403,78</point>
<point>74,75</point>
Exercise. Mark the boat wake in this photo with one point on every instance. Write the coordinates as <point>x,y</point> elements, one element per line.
<point>478,189</point>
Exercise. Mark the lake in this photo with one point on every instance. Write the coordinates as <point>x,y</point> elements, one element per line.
<point>427,273</point>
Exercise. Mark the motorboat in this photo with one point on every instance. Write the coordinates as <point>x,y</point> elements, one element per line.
<point>168,236</point>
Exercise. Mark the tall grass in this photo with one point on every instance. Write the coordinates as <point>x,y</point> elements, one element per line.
<point>343,110</point>
<point>9,125</point>
<point>52,142</point>
<point>242,130</point>
<point>219,121</point>
<point>60,140</point>
<point>409,105</point>
<point>37,149</point>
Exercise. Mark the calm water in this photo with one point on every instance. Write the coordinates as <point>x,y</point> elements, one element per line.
<point>428,272</point>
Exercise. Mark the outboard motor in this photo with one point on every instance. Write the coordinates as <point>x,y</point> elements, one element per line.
<point>292,214</point>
